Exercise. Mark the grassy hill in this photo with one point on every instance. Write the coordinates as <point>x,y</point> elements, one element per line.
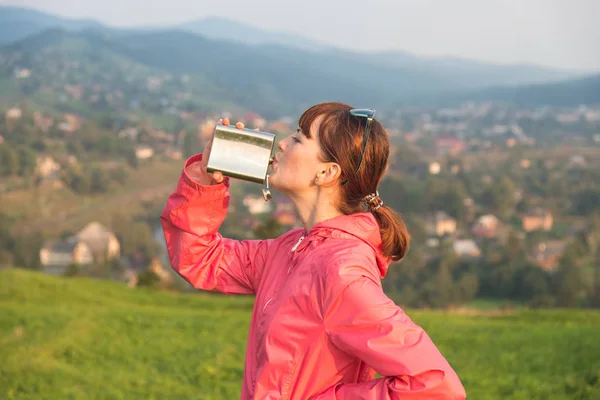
<point>86,339</point>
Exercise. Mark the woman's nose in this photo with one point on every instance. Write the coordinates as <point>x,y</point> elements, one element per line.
<point>281,144</point>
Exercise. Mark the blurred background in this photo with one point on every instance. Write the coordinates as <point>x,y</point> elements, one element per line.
<point>493,111</point>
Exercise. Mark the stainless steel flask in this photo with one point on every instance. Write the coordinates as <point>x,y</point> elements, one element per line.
<point>242,153</point>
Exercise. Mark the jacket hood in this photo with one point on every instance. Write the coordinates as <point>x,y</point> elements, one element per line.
<point>363,226</point>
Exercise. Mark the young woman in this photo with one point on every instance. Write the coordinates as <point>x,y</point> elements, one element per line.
<point>321,325</point>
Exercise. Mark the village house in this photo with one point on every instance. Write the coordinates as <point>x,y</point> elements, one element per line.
<point>144,152</point>
<point>256,204</point>
<point>466,248</point>
<point>42,122</point>
<point>434,168</point>
<point>57,256</point>
<point>22,73</point>
<point>440,224</point>
<point>486,227</point>
<point>47,168</point>
<point>547,254</point>
<point>102,242</point>
<point>537,219</point>
<point>280,127</point>
<point>285,214</point>
<point>448,145</point>
<point>254,120</point>
<point>14,113</point>
<point>70,123</point>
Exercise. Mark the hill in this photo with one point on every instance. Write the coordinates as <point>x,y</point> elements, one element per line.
<point>17,23</point>
<point>568,93</point>
<point>73,338</point>
<point>158,70</point>
<point>440,74</point>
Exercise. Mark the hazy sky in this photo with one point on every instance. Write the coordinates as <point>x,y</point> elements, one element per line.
<point>558,33</point>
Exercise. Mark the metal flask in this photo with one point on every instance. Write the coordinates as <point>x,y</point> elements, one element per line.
<point>243,154</point>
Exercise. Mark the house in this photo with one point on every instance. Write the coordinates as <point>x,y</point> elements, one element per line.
<point>280,127</point>
<point>548,254</point>
<point>256,205</point>
<point>102,242</point>
<point>42,122</point>
<point>57,256</point>
<point>285,212</point>
<point>70,123</point>
<point>466,248</point>
<point>576,161</point>
<point>47,168</point>
<point>143,152</point>
<point>448,145</point>
<point>486,227</point>
<point>537,219</point>
<point>22,73</point>
<point>440,224</point>
<point>14,113</point>
<point>434,168</point>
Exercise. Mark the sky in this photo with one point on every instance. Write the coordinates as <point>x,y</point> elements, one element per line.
<point>555,33</point>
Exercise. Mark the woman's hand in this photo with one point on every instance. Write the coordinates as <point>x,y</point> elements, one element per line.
<point>197,171</point>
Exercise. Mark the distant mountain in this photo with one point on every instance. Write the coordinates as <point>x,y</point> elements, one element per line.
<point>268,79</point>
<point>227,29</point>
<point>17,23</point>
<point>472,74</point>
<point>568,93</point>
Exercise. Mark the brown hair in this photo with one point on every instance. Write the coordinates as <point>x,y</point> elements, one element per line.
<point>340,135</point>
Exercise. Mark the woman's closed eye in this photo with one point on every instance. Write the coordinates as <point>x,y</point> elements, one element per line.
<point>296,139</point>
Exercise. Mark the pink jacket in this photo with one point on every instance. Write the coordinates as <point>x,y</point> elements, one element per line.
<point>321,324</point>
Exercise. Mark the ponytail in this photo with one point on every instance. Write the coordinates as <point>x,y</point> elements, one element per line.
<point>394,235</point>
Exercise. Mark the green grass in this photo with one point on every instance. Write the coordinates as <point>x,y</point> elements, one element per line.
<point>88,339</point>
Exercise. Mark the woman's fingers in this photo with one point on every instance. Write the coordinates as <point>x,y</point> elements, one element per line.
<point>226,121</point>
<point>239,125</point>
<point>218,177</point>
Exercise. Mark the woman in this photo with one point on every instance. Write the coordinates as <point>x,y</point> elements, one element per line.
<point>321,325</point>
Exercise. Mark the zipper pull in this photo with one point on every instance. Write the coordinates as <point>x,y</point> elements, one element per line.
<point>297,244</point>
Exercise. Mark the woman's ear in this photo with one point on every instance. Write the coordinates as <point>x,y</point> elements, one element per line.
<point>329,174</point>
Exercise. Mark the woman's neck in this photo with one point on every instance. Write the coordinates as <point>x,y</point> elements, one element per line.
<point>314,208</point>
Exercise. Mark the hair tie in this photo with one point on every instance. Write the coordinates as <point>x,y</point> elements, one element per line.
<point>372,201</point>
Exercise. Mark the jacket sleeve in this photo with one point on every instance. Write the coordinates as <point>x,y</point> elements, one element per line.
<point>362,321</point>
<point>198,253</point>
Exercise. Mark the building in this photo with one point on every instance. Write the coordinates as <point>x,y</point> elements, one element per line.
<point>47,168</point>
<point>257,205</point>
<point>537,219</point>
<point>102,242</point>
<point>57,256</point>
<point>14,113</point>
<point>466,248</point>
<point>440,224</point>
<point>143,152</point>
<point>547,254</point>
<point>486,227</point>
<point>448,145</point>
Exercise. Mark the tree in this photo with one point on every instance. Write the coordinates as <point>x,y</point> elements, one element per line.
<point>500,197</point>
<point>568,281</point>
<point>9,161</point>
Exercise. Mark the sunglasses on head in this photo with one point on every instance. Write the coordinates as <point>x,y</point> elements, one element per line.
<point>369,114</point>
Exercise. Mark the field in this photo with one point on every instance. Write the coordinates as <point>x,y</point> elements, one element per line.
<point>87,339</point>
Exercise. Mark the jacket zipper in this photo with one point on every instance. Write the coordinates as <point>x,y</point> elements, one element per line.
<point>297,244</point>
<point>267,303</point>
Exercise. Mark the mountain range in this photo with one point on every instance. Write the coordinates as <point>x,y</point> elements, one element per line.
<point>277,73</point>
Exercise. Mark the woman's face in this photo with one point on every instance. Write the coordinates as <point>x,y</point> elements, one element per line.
<point>298,162</point>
